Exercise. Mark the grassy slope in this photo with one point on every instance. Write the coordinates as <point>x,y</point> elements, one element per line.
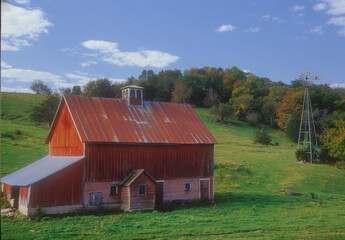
<point>248,203</point>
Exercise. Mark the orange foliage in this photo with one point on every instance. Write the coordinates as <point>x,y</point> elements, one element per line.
<point>292,103</point>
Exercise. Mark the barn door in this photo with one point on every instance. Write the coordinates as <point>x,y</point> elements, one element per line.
<point>205,189</point>
<point>159,192</point>
<point>15,196</point>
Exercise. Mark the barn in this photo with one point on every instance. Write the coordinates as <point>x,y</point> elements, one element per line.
<point>117,153</point>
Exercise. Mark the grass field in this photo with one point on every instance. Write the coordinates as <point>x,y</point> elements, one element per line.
<point>248,201</point>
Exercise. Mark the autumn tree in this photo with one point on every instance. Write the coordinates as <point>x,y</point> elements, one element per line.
<point>182,93</point>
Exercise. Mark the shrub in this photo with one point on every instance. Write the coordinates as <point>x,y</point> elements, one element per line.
<point>262,137</point>
<point>302,153</point>
<point>223,111</point>
<point>340,164</point>
<point>252,119</point>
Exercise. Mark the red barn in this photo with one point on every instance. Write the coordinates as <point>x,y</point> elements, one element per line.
<point>117,153</point>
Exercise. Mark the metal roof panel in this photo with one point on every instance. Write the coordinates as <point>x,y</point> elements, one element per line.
<point>112,120</point>
<point>39,170</point>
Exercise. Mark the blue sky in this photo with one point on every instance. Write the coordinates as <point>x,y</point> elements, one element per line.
<point>66,43</point>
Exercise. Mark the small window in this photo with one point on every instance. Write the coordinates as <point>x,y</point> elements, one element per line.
<point>142,189</point>
<point>138,94</point>
<point>113,189</point>
<point>132,93</point>
<point>188,186</point>
<point>95,199</point>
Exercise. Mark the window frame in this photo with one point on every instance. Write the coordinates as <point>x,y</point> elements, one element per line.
<point>145,189</point>
<point>185,186</point>
<point>116,189</point>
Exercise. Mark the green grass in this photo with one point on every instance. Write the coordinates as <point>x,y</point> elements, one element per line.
<point>248,202</point>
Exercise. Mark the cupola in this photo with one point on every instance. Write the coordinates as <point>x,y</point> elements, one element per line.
<point>133,95</point>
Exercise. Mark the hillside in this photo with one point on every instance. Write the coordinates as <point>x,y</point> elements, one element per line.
<point>248,201</point>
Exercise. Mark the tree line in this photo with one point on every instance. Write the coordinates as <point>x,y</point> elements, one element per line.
<point>234,94</point>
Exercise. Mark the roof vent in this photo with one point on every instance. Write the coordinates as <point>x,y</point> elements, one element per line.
<point>133,95</point>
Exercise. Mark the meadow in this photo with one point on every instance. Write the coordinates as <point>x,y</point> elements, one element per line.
<point>249,203</point>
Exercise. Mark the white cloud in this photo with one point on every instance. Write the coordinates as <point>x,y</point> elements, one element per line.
<point>15,75</point>
<point>338,21</point>
<point>4,65</point>
<point>226,28</point>
<point>82,79</point>
<point>319,6</point>
<point>16,89</point>
<point>22,1</point>
<point>337,85</point>
<point>268,18</point>
<point>21,25</point>
<point>111,53</point>
<point>88,63</point>
<point>335,7</point>
<point>297,8</point>
<point>317,30</point>
<point>252,29</point>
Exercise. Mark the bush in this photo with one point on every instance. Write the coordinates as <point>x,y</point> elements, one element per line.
<point>302,153</point>
<point>262,137</point>
<point>223,111</point>
<point>340,164</point>
<point>252,119</point>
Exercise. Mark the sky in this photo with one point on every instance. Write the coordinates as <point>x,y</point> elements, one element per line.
<point>65,43</point>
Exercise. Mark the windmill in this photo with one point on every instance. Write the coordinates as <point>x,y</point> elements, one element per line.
<point>307,134</point>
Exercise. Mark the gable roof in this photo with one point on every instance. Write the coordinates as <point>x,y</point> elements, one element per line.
<point>113,121</point>
<point>39,170</point>
<point>134,175</point>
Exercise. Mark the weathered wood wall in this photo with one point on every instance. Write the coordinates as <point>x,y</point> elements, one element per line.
<point>65,140</point>
<point>23,196</point>
<point>62,188</point>
<point>142,202</point>
<point>107,162</point>
<point>102,187</point>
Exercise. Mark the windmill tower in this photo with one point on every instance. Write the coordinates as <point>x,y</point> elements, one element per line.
<point>307,133</point>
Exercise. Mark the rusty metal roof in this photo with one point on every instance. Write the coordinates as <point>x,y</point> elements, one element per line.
<point>134,175</point>
<point>112,120</point>
<point>39,170</point>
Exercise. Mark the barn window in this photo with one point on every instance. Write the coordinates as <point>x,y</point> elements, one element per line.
<point>95,199</point>
<point>188,186</point>
<point>113,189</point>
<point>138,94</point>
<point>132,93</point>
<point>142,189</point>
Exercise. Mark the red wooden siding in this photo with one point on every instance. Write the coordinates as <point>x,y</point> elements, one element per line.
<point>110,162</point>
<point>65,140</point>
<point>137,102</point>
<point>62,188</point>
<point>102,187</point>
<point>142,202</point>
<point>23,195</point>
<point>7,189</point>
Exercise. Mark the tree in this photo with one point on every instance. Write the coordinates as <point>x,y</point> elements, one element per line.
<point>262,137</point>
<point>333,140</point>
<point>99,88</point>
<point>76,90</point>
<point>45,111</point>
<point>65,91</point>
<point>182,93</point>
<point>223,111</point>
<point>211,98</point>
<point>40,88</point>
